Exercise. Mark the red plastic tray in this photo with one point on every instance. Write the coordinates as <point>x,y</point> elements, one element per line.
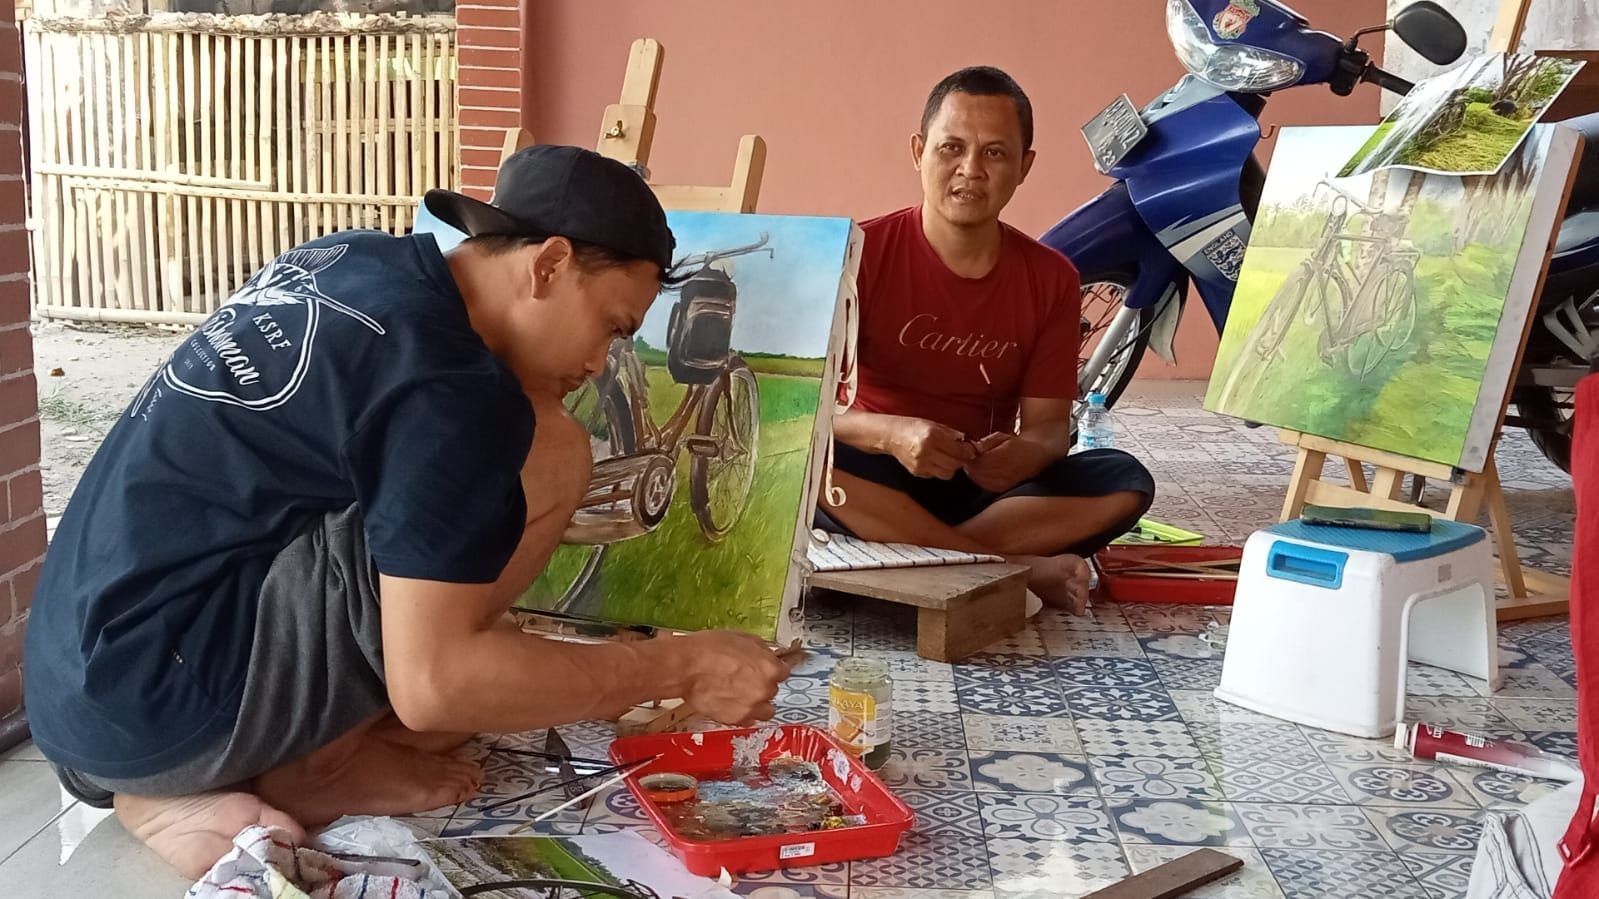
<point>1116,582</point>
<point>887,816</point>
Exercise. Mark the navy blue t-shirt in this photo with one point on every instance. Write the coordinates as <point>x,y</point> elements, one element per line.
<point>346,371</point>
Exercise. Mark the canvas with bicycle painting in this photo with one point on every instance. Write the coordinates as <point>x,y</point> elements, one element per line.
<point>708,430</point>
<point>1386,310</point>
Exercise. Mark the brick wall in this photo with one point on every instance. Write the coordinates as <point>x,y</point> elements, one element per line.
<point>489,41</point>
<point>21,493</point>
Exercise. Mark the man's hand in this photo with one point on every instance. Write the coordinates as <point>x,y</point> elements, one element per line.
<point>732,676</point>
<point>928,449</point>
<point>1005,460</point>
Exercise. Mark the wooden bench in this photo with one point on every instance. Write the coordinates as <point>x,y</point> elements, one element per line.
<point>960,608</point>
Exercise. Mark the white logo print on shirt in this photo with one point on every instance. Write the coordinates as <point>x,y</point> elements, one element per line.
<point>232,358</point>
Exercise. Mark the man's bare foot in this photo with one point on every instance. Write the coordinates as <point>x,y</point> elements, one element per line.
<point>389,728</point>
<point>191,832</point>
<point>1060,581</point>
<point>371,776</point>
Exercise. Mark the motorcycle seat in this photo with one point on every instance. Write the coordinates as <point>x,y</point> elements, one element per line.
<point>1579,229</point>
<point>1585,191</point>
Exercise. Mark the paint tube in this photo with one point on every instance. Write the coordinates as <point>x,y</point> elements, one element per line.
<point>1424,741</point>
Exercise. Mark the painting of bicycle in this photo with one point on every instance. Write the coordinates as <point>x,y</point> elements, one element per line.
<point>1386,309</point>
<point>701,427</point>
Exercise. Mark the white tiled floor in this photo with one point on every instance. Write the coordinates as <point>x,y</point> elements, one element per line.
<point>1079,750</point>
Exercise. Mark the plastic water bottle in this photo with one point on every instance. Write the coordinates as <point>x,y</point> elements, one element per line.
<point>1096,430</point>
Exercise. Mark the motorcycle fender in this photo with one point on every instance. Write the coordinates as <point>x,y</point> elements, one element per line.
<point>1107,236</point>
<point>1163,332</point>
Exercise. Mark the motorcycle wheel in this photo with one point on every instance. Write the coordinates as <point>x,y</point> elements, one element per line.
<point>1548,404</point>
<point>604,411</point>
<point>1103,296</point>
<point>719,483</point>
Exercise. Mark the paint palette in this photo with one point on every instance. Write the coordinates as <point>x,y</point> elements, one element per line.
<point>711,754</point>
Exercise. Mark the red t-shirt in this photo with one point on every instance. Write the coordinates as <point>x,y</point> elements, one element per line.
<point>963,351</point>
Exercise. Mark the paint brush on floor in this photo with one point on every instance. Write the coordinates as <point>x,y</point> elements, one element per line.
<point>621,774</point>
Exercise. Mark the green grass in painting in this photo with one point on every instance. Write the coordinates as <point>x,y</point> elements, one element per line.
<point>1419,401</point>
<point>672,576</point>
<point>1480,144</point>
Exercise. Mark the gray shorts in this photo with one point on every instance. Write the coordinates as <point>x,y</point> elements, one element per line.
<point>316,668</point>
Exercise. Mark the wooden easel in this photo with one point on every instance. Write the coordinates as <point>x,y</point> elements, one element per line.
<point>627,134</point>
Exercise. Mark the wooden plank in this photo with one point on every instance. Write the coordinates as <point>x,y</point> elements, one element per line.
<point>1325,493</point>
<point>1174,878</point>
<point>383,142</point>
<point>1357,475</point>
<point>973,621</point>
<point>931,586</point>
<point>749,166</point>
<point>278,157</point>
<point>1385,483</point>
<point>1307,474</point>
<point>643,74</point>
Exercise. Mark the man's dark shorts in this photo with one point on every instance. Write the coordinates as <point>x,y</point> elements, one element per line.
<point>1091,473</point>
<point>316,668</point>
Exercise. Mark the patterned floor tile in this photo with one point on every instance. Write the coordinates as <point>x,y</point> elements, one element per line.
<point>958,809</point>
<point>506,776</point>
<point>902,893</point>
<point>1539,714</point>
<point>908,667</point>
<point>830,880</point>
<point>1006,668</point>
<point>1180,647</point>
<point>1501,789</point>
<point>801,690</point>
<point>815,662</point>
<point>1035,816</point>
<point>1024,642</point>
<point>1253,881</point>
<point>1066,644</point>
<point>1021,734</point>
<point>981,698</point>
<point>1305,827</point>
<point>1559,742</point>
<point>1533,680</point>
<point>1278,780</point>
<point>833,637</point>
<point>1121,704</point>
<point>929,730</point>
<point>1105,671</point>
<point>1425,680</point>
<point>1399,784</point>
<point>1322,874</point>
<point>926,769</point>
<point>1202,706</point>
<point>1339,748</point>
<point>1034,869</point>
<point>1161,739</point>
<point>1146,777</point>
<point>1148,619</point>
<point>1187,674</point>
<point>921,697</point>
<point>1030,772</point>
<point>872,634</point>
<point>1188,822</point>
<point>1456,713</point>
<point>937,857</point>
<point>1446,875</point>
<point>814,715</point>
<point>1101,618</point>
<point>1432,829</point>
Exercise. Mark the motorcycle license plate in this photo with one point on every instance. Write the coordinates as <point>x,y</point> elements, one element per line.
<point>1114,133</point>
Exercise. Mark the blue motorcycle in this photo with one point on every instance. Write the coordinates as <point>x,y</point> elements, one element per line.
<point>1187,186</point>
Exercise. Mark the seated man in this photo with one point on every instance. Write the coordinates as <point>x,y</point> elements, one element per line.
<point>367,421</point>
<point>964,322</point>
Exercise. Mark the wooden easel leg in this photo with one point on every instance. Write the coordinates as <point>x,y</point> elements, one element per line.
<point>1499,520</point>
<point>1357,475</point>
<point>1307,470</point>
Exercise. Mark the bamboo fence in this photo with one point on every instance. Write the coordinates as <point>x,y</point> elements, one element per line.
<point>173,155</point>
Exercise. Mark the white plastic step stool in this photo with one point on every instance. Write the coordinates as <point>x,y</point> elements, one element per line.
<point>1325,619</point>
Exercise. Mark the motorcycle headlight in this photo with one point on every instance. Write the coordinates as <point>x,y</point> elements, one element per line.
<point>1231,67</point>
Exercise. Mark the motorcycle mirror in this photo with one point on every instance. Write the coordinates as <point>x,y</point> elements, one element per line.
<point>1430,30</point>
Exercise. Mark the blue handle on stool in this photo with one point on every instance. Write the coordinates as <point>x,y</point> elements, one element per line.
<point>1306,564</point>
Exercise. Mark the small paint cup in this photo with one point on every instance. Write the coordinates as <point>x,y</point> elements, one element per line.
<point>668,787</point>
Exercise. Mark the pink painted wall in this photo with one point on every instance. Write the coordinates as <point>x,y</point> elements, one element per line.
<point>836,88</point>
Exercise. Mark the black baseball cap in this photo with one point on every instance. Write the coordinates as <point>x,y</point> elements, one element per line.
<point>548,191</point>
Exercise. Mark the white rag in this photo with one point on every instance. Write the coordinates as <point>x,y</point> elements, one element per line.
<point>265,865</point>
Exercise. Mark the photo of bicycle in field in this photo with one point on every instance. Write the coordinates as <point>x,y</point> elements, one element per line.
<point>702,427</point>
<point>1378,309</point>
<point>1468,121</point>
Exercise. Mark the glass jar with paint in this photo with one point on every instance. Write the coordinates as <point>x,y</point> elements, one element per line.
<point>861,708</point>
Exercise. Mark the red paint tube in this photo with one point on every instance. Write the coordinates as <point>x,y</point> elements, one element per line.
<point>1424,741</point>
